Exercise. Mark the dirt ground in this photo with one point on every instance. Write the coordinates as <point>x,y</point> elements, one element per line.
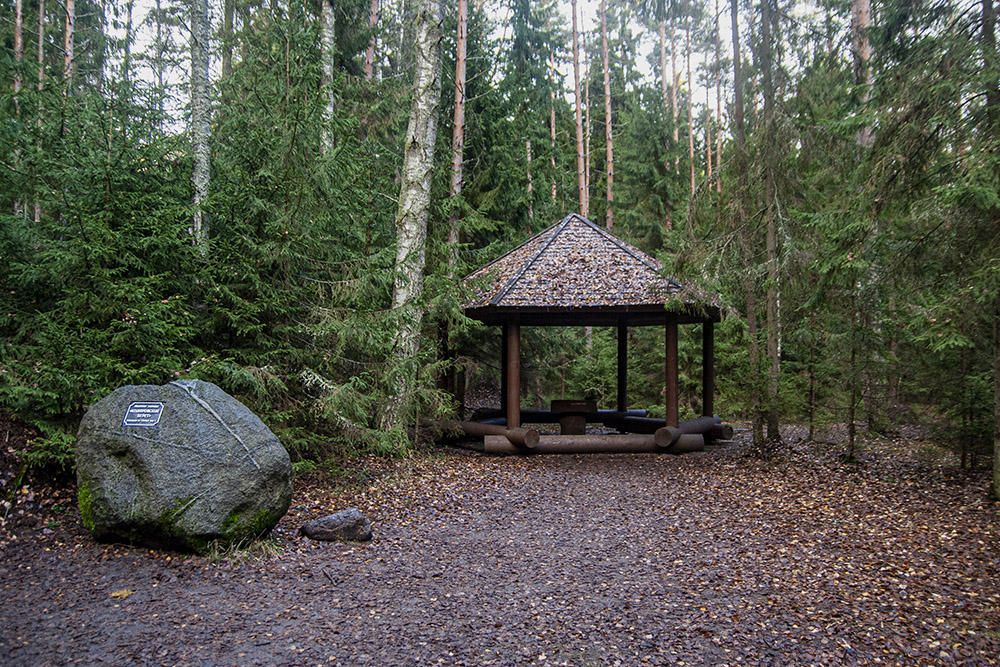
<point>710,558</point>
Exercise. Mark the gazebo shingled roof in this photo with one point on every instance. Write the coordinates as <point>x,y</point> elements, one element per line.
<point>574,272</point>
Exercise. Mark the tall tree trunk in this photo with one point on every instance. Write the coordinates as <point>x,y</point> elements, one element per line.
<point>580,174</point>
<point>454,380</point>
<point>609,220</point>
<point>708,137</point>
<point>457,129</point>
<point>127,46</point>
<point>675,77</point>
<point>18,66</point>
<point>989,23</point>
<point>690,100</point>
<point>158,64</point>
<point>18,51</point>
<point>531,203</point>
<point>552,120</point>
<point>200,119</point>
<point>770,215</point>
<point>228,9</point>
<point>373,13</point>
<point>328,48</point>
<point>414,206</point>
<point>68,43</point>
<point>718,103</point>
<point>41,87</point>
<point>665,86</point>
<point>586,121</point>
<point>741,223</point>
<point>861,19</point>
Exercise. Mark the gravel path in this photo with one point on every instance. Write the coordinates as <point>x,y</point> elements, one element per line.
<point>706,559</point>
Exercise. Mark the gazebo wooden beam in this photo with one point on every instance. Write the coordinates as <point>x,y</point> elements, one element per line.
<point>512,388</point>
<point>672,379</point>
<point>707,369</point>
<point>622,367</point>
<point>503,369</point>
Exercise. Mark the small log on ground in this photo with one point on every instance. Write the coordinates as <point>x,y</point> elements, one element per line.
<point>721,432</point>
<point>520,437</point>
<point>651,424</point>
<point>688,442</point>
<point>666,436</point>
<point>577,444</point>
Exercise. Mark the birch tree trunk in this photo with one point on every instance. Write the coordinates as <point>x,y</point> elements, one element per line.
<point>580,173</point>
<point>457,129</point>
<point>610,159</point>
<point>414,206</point>
<point>373,15</point>
<point>328,53</point>
<point>200,118</point>
<point>68,43</point>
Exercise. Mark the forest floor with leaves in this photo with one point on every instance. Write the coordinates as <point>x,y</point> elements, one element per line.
<point>711,558</point>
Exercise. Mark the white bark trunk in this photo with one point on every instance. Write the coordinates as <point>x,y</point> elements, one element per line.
<point>458,128</point>
<point>370,52</point>
<point>200,118</point>
<point>328,53</point>
<point>414,205</point>
<point>68,46</point>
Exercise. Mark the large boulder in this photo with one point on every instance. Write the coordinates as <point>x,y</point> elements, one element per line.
<point>178,466</point>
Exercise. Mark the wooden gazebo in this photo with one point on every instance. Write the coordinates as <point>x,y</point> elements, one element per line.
<point>576,274</point>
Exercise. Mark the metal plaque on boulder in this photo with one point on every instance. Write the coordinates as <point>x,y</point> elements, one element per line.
<point>144,414</point>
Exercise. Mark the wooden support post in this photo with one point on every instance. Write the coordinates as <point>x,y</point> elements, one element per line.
<point>672,382</point>
<point>622,368</point>
<point>513,365</point>
<point>503,369</point>
<point>708,369</point>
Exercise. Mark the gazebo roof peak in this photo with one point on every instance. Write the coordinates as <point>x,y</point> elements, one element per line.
<point>573,269</point>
